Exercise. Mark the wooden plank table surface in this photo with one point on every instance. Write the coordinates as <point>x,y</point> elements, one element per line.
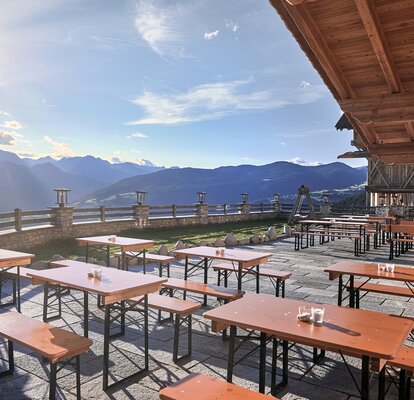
<point>10,259</point>
<point>123,243</point>
<point>243,259</point>
<point>374,336</point>
<point>367,270</point>
<point>115,286</point>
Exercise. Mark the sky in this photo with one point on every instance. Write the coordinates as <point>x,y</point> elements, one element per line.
<point>199,83</point>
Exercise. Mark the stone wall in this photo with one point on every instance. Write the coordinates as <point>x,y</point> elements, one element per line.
<point>63,226</point>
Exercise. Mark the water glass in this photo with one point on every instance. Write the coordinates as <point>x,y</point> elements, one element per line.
<point>304,313</point>
<point>390,267</point>
<point>318,314</point>
<point>112,238</point>
<point>97,272</point>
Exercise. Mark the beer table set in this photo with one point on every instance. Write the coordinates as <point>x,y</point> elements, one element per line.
<point>115,287</point>
<point>375,337</point>
<point>95,243</point>
<point>241,259</point>
<point>368,271</point>
<point>14,259</point>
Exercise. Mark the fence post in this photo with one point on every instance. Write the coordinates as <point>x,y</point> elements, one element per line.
<point>261,207</point>
<point>245,209</point>
<point>174,210</point>
<point>18,219</point>
<point>102,212</point>
<point>202,212</point>
<point>62,217</point>
<point>225,209</point>
<point>141,214</point>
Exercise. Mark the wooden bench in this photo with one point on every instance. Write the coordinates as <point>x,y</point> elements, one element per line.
<point>405,361</point>
<point>203,387</point>
<point>218,292</point>
<point>381,288</point>
<point>55,344</point>
<point>183,310</point>
<point>162,261</point>
<point>357,237</point>
<point>277,278</point>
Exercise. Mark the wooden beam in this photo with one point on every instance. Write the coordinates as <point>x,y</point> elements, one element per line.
<point>365,133</point>
<point>395,149</point>
<point>398,115</point>
<point>368,14</point>
<point>310,32</point>
<point>299,2</point>
<point>409,126</point>
<point>361,104</point>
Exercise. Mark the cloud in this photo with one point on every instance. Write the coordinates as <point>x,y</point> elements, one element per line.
<point>305,84</point>
<point>159,27</point>
<point>233,26</point>
<point>4,113</point>
<point>12,125</point>
<point>217,100</point>
<point>7,138</point>
<point>301,161</point>
<point>61,149</point>
<point>283,143</point>
<point>116,160</point>
<point>139,135</point>
<point>211,35</point>
<point>29,155</point>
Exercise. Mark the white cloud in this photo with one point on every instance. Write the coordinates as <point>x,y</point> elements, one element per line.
<point>159,27</point>
<point>301,161</point>
<point>29,155</point>
<point>233,26</point>
<point>12,125</point>
<point>7,138</point>
<point>211,35</point>
<point>283,143</point>
<point>61,149</point>
<point>139,135</point>
<point>4,113</point>
<point>116,160</point>
<point>217,100</point>
<point>305,84</point>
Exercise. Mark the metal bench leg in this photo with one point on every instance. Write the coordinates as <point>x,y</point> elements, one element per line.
<point>11,360</point>
<point>381,384</point>
<point>317,358</point>
<point>177,324</point>
<point>52,383</point>
<point>276,387</point>
<point>257,280</point>
<point>78,379</point>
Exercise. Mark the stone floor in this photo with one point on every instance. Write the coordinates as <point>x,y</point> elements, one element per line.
<point>328,380</point>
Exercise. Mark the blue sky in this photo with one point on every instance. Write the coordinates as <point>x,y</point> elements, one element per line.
<point>197,83</point>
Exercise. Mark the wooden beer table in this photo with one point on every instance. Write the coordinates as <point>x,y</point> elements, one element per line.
<point>124,244</point>
<point>373,336</point>
<point>115,287</point>
<point>10,259</point>
<point>241,259</point>
<point>369,271</point>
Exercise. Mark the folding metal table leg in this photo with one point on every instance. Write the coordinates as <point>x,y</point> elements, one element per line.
<point>230,363</point>
<point>52,384</point>
<point>10,352</point>
<point>365,378</point>
<point>262,363</point>
<point>85,314</point>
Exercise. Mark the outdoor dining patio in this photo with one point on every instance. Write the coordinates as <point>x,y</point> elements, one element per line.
<point>152,353</point>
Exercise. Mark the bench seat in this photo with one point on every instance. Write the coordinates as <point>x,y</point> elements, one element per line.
<point>202,288</point>
<point>203,387</point>
<point>50,342</point>
<point>183,310</point>
<point>383,289</point>
<point>162,261</point>
<point>277,278</point>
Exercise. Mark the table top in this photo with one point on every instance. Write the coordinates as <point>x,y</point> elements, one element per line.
<point>10,258</point>
<point>389,218</point>
<point>331,222</point>
<point>115,285</point>
<point>237,255</point>
<point>124,242</point>
<point>350,330</point>
<point>369,270</point>
<point>367,220</point>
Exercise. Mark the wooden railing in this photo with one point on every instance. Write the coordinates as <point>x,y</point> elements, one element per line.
<point>19,219</point>
<point>172,210</point>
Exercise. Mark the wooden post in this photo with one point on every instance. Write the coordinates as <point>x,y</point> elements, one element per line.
<point>102,211</point>
<point>224,208</point>
<point>174,210</point>
<point>18,219</point>
<point>261,207</point>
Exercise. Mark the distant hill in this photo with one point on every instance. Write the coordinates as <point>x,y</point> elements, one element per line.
<point>29,184</point>
<point>224,184</point>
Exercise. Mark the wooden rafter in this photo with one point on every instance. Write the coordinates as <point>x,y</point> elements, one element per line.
<point>298,2</point>
<point>386,102</point>
<point>375,33</point>
<point>366,134</point>
<point>410,176</point>
<point>396,115</point>
<point>300,15</point>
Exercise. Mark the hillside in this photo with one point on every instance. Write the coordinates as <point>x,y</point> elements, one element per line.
<point>224,184</point>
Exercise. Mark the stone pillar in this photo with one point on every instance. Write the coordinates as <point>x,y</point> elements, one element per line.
<point>62,217</point>
<point>245,209</point>
<point>202,212</point>
<point>277,207</point>
<point>141,212</point>
<point>325,209</point>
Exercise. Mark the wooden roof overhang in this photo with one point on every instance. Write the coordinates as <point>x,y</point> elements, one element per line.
<point>364,52</point>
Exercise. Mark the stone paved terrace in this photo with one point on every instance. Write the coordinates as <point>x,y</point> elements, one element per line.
<point>329,380</point>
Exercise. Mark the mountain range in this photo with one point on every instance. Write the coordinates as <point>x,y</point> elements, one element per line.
<point>29,184</point>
